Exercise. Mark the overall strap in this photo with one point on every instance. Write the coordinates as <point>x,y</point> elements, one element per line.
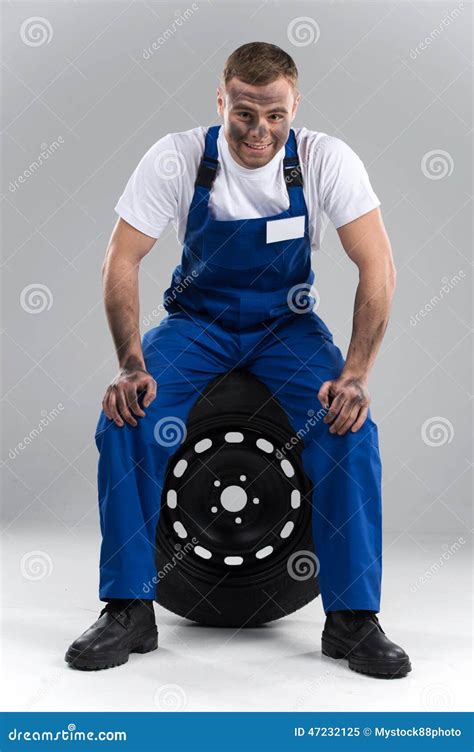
<point>209,163</point>
<point>291,164</point>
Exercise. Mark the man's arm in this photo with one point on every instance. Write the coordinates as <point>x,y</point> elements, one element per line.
<point>366,242</point>
<point>127,247</point>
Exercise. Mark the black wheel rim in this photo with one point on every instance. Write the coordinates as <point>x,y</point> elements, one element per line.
<point>233,502</point>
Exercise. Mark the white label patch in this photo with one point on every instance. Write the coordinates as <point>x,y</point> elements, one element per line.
<point>285,229</point>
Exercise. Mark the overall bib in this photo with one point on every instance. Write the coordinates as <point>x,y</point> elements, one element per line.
<point>235,300</point>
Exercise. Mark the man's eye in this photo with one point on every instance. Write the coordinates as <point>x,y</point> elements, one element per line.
<point>276,115</point>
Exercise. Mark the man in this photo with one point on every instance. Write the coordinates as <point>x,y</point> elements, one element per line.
<point>249,200</point>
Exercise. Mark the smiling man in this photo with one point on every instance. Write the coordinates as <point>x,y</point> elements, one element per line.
<point>250,200</point>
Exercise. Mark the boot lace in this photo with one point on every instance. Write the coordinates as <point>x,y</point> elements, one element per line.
<point>361,616</point>
<point>115,610</point>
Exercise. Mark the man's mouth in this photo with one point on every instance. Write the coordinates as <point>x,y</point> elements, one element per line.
<point>257,147</point>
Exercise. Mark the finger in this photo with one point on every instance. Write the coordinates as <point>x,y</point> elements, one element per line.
<point>323,394</point>
<point>113,408</point>
<point>344,413</point>
<point>150,392</point>
<point>333,411</point>
<point>105,404</point>
<point>361,419</point>
<point>123,407</point>
<point>132,400</point>
<point>343,429</point>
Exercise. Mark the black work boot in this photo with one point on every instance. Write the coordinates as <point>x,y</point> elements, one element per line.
<point>123,627</point>
<point>358,636</point>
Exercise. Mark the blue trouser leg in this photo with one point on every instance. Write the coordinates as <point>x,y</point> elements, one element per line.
<point>293,359</point>
<point>183,355</point>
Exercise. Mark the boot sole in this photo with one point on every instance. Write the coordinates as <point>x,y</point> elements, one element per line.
<point>79,659</point>
<point>394,669</point>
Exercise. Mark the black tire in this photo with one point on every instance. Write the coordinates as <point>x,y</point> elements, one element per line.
<point>199,526</point>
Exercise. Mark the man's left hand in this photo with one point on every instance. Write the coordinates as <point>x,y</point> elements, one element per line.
<point>348,401</point>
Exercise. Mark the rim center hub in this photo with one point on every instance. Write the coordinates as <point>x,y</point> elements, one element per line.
<point>233,498</point>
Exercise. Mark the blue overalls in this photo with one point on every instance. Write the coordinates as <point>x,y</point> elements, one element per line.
<point>235,301</point>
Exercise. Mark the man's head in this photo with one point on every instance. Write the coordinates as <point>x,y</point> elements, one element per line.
<point>257,98</point>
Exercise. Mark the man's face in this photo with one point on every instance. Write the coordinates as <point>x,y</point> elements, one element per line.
<point>256,116</point>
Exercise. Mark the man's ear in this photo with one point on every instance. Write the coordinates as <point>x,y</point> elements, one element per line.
<point>295,104</point>
<point>220,102</point>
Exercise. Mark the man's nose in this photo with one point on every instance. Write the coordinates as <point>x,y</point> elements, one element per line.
<point>259,130</point>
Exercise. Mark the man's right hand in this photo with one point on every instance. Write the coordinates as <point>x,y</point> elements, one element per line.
<point>121,398</point>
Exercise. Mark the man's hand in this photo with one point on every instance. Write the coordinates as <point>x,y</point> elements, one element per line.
<point>348,401</point>
<point>121,397</point>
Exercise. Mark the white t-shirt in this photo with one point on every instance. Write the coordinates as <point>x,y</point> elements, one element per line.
<point>160,190</point>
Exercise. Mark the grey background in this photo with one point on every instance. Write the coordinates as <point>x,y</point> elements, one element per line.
<point>90,87</point>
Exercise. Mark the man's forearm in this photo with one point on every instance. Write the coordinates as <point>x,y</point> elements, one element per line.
<point>371,315</point>
<point>121,297</point>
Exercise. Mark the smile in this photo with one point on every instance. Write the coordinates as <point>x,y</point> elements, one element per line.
<point>256,147</point>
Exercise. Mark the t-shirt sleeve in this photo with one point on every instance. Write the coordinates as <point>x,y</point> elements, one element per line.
<point>150,198</point>
<point>345,190</point>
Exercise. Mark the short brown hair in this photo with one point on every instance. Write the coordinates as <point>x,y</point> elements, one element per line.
<point>258,64</point>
